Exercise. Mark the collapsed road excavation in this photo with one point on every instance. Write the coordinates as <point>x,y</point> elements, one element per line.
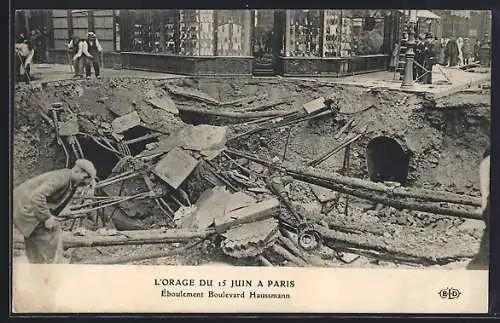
<point>259,172</point>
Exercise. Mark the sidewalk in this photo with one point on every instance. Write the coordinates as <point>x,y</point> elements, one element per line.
<point>59,72</point>
<point>460,80</point>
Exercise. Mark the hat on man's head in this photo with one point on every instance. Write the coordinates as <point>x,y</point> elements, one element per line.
<point>87,166</point>
<point>428,35</point>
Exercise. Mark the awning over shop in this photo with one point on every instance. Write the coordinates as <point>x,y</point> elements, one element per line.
<point>426,14</point>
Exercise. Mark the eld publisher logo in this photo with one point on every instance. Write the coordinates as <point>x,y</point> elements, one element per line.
<point>449,293</point>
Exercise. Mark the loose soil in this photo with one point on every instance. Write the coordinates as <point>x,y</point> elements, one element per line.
<point>444,139</point>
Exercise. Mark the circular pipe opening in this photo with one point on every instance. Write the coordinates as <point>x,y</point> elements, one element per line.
<point>386,160</point>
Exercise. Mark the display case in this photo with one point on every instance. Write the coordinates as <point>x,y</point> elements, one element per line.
<point>304,33</point>
<point>233,32</point>
<point>332,33</point>
<point>196,32</point>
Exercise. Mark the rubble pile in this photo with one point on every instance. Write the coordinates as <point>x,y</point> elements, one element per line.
<point>260,178</point>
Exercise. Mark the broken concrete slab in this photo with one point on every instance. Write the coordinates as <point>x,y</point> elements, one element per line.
<point>175,167</point>
<point>211,154</point>
<point>203,137</point>
<point>159,119</point>
<point>323,194</point>
<point>164,103</point>
<point>126,122</point>
<point>211,204</point>
<point>314,105</point>
<point>239,200</point>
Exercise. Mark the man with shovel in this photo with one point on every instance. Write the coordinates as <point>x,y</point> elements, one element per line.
<point>24,53</point>
<point>37,201</point>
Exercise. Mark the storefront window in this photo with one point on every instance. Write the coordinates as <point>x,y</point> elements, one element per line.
<point>196,32</point>
<point>352,33</point>
<point>332,34</point>
<point>233,32</point>
<point>304,33</point>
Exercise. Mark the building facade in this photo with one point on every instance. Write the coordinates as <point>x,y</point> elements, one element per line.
<point>232,42</point>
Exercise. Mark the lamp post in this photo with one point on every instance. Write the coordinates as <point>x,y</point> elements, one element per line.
<point>410,54</point>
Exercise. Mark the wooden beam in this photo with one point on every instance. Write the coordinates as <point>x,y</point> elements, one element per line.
<point>252,213</point>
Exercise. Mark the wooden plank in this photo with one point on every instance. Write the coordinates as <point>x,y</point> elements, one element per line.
<point>175,167</point>
<point>255,212</point>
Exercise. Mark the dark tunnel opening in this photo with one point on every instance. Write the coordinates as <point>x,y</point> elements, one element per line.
<point>103,159</point>
<point>137,132</point>
<point>386,160</point>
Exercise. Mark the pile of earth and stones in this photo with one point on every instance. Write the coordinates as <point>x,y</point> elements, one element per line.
<point>189,177</point>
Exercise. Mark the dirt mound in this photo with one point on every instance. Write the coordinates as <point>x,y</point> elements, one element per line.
<point>441,139</point>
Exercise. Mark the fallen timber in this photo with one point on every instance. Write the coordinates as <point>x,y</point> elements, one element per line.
<point>134,237</point>
<point>145,256</point>
<point>253,213</point>
<point>355,186</point>
<point>242,115</point>
<point>429,255</point>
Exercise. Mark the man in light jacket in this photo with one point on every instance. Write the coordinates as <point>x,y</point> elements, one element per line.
<point>24,53</point>
<point>37,201</point>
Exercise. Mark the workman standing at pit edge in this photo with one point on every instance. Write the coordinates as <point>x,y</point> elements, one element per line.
<point>38,200</point>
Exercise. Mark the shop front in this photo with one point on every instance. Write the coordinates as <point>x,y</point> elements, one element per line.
<point>234,42</point>
<point>191,42</point>
<point>336,42</point>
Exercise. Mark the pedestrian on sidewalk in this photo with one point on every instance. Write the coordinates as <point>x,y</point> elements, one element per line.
<point>24,53</point>
<point>77,61</point>
<point>460,44</point>
<point>481,260</point>
<point>477,46</point>
<point>84,55</point>
<point>95,50</point>
<point>39,200</point>
<point>452,52</point>
<point>467,50</point>
<point>430,53</point>
<point>419,49</point>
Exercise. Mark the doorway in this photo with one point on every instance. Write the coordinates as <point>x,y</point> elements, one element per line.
<point>267,41</point>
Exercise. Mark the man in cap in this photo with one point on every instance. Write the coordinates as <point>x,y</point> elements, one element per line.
<point>95,49</point>
<point>38,200</point>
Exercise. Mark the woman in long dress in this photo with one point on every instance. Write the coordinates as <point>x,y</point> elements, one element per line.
<point>460,43</point>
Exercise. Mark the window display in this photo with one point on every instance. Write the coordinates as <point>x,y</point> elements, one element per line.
<point>304,32</point>
<point>331,41</point>
<point>233,32</point>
